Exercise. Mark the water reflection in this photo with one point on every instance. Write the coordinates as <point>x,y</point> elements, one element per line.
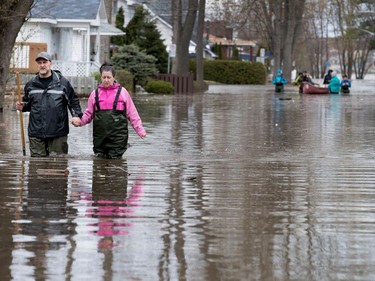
<point>109,201</point>
<point>41,225</point>
<point>233,185</point>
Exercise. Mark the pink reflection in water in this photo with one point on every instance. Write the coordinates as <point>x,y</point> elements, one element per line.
<point>109,212</point>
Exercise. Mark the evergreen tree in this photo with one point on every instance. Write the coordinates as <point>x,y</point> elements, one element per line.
<point>218,49</point>
<point>120,20</point>
<point>236,53</point>
<point>142,31</point>
<point>137,62</point>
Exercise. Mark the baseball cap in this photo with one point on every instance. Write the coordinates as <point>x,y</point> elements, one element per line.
<point>43,55</point>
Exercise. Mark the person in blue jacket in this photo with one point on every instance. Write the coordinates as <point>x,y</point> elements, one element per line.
<point>279,81</point>
<point>334,84</point>
<point>345,84</point>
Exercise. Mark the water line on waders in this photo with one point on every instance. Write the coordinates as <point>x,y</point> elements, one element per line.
<point>21,117</point>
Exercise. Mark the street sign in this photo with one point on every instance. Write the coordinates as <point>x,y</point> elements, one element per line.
<point>172,50</point>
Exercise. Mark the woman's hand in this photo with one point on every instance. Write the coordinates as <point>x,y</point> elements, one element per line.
<point>76,121</point>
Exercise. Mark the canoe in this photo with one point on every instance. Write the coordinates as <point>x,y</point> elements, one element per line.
<point>314,89</point>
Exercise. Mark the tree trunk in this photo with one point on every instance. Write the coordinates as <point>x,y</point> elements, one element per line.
<point>200,47</point>
<point>12,16</point>
<point>182,33</point>
<point>293,12</point>
<point>277,35</point>
<point>360,60</point>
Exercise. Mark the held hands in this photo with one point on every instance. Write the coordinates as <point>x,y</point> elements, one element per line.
<point>76,121</point>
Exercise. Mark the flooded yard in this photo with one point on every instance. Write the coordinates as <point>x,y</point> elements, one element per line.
<point>238,183</point>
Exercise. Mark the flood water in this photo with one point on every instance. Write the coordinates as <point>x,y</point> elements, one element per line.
<point>238,183</point>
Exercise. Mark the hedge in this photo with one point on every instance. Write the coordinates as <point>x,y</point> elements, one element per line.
<point>159,87</point>
<point>232,72</point>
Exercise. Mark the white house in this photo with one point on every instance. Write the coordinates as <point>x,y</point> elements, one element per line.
<point>74,32</point>
<point>160,12</point>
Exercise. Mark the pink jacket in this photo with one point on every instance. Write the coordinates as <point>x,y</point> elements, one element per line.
<point>106,100</point>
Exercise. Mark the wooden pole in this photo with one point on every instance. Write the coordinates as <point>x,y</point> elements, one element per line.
<point>21,117</point>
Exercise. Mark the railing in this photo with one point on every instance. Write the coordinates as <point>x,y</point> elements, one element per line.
<point>75,69</point>
<point>183,84</point>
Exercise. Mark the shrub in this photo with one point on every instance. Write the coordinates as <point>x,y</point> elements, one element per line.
<point>233,72</point>
<point>159,87</point>
<point>96,76</point>
<point>125,78</point>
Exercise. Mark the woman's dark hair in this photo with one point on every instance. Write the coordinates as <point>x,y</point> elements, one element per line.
<point>107,67</point>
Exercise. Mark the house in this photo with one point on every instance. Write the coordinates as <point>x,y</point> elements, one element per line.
<point>75,34</point>
<point>218,34</point>
<point>246,47</point>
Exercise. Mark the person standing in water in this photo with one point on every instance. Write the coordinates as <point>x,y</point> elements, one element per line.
<point>48,96</point>
<point>110,107</point>
<point>279,81</point>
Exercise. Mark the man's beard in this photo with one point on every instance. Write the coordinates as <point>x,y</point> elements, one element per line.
<point>43,72</point>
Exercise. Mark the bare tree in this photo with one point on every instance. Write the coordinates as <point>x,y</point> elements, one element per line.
<point>350,20</point>
<point>361,63</point>
<point>344,12</point>
<point>277,23</point>
<point>365,39</point>
<point>13,14</point>
<point>315,39</point>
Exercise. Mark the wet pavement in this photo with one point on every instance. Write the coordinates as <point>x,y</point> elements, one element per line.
<point>239,183</point>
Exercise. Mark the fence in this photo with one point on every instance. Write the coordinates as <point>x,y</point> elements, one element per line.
<point>183,84</point>
<point>83,85</point>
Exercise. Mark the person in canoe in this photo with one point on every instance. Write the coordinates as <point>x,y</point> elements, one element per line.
<point>279,81</point>
<point>334,84</point>
<point>345,85</point>
<point>328,77</point>
<point>303,77</point>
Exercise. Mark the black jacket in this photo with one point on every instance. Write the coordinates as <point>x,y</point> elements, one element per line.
<point>327,79</point>
<point>49,106</point>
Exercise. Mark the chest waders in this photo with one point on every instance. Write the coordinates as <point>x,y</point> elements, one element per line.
<point>110,130</point>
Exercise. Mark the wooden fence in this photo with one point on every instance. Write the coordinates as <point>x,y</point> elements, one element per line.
<point>83,85</point>
<point>183,84</point>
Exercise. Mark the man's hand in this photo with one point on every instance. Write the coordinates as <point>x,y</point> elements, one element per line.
<point>19,106</point>
<point>76,121</point>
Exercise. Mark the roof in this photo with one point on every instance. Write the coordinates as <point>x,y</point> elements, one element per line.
<point>161,8</point>
<point>107,29</point>
<point>73,10</point>
<point>67,9</point>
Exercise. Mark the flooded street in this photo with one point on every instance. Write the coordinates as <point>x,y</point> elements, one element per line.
<point>238,183</point>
